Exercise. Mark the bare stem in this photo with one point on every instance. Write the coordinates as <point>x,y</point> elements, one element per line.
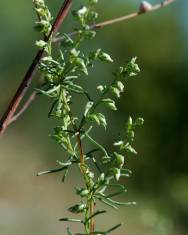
<point>22,89</point>
<point>24,108</point>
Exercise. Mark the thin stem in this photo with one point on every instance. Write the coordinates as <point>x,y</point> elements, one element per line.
<point>86,222</point>
<point>80,148</point>
<point>135,14</point>
<point>92,222</point>
<point>122,18</point>
<point>20,93</point>
<point>24,108</point>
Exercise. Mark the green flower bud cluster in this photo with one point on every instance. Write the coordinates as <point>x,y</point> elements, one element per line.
<point>62,70</point>
<point>44,16</point>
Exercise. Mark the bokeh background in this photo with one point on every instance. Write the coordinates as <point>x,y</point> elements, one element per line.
<point>32,205</point>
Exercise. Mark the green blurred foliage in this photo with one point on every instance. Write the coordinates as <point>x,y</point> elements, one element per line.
<point>159,94</point>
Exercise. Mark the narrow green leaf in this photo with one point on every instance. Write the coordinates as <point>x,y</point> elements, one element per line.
<point>51,171</point>
<point>65,174</point>
<point>120,203</point>
<point>116,193</point>
<point>106,202</point>
<point>48,93</point>
<point>95,214</point>
<point>97,144</point>
<point>68,231</point>
<point>113,228</point>
<point>70,220</point>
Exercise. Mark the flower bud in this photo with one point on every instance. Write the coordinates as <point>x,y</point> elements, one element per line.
<point>144,7</point>
<point>78,208</point>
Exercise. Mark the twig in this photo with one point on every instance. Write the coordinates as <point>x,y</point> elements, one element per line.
<point>29,74</point>
<point>123,18</point>
<point>140,12</point>
<point>24,108</point>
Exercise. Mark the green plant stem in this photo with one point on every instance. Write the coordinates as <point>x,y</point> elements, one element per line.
<point>89,223</point>
<point>92,222</point>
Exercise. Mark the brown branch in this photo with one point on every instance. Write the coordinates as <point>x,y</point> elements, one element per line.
<point>22,89</point>
<point>141,11</point>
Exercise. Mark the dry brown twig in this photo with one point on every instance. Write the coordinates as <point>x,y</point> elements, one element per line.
<point>24,107</point>
<point>9,116</point>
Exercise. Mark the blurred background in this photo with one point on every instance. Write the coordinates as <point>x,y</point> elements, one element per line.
<point>32,205</point>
